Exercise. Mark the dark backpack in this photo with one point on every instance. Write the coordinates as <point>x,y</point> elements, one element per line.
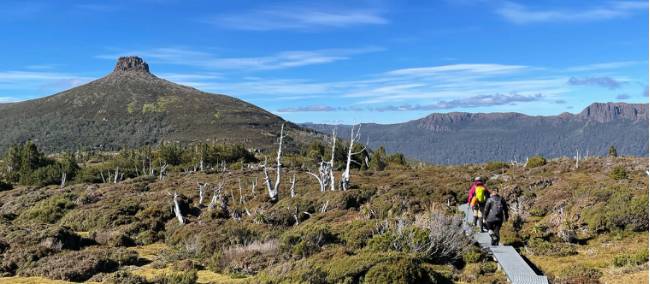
<point>496,211</point>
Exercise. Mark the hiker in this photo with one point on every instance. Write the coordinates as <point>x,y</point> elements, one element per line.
<point>478,195</point>
<point>496,212</point>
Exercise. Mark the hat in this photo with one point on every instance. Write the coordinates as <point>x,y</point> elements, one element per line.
<point>478,179</point>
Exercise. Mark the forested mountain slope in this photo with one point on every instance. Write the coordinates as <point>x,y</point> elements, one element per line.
<point>453,138</point>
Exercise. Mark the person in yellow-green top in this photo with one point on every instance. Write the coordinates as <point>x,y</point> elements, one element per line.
<point>478,195</point>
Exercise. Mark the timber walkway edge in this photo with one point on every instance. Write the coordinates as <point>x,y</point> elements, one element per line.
<point>512,264</point>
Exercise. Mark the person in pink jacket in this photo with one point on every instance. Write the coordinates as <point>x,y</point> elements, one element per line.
<point>477,209</point>
<point>472,189</point>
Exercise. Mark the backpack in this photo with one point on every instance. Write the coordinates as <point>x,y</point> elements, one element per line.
<point>480,193</point>
<point>496,212</point>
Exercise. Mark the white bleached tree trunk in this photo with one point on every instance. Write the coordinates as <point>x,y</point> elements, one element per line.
<point>163,168</point>
<point>354,138</point>
<point>241,194</point>
<point>320,181</point>
<point>117,171</point>
<point>331,165</point>
<point>269,184</point>
<point>63,177</point>
<point>323,208</point>
<point>293,186</point>
<point>253,185</point>
<point>273,189</point>
<point>202,187</point>
<point>216,196</point>
<point>177,209</point>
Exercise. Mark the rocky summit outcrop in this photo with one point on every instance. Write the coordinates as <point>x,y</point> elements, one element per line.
<point>607,112</point>
<point>132,107</point>
<point>131,64</point>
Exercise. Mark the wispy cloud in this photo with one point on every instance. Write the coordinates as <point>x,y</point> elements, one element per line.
<point>310,108</point>
<point>603,66</point>
<point>298,18</point>
<point>622,97</point>
<point>41,66</point>
<point>520,14</point>
<point>190,77</point>
<point>605,82</point>
<point>9,100</point>
<point>486,69</point>
<point>469,102</point>
<point>281,60</point>
<point>45,81</point>
<point>446,85</point>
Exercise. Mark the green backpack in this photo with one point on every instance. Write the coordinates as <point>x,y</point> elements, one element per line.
<point>480,193</point>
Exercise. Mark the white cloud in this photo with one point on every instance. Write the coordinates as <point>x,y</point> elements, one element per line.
<point>15,80</point>
<point>520,14</point>
<point>421,85</point>
<point>603,66</point>
<point>310,108</point>
<point>298,18</point>
<point>10,100</point>
<point>280,60</point>
<point>483,69</point>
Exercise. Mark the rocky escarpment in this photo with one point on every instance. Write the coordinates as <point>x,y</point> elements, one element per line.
<point>607,112</point>
<point>479,137</point>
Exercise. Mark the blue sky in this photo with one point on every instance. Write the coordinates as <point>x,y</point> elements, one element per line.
<point>342,61</point>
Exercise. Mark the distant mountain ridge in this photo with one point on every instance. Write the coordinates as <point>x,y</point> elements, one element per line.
<point>459,137</point>
<point>132,107</point>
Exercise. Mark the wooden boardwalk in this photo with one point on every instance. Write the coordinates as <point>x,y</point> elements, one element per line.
<point>513,265</point>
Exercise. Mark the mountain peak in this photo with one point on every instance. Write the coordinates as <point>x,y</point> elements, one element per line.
<point>606,112</point>
<point>131,64</point>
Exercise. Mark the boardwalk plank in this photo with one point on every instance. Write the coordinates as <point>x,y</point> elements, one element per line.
<point>513,265</point>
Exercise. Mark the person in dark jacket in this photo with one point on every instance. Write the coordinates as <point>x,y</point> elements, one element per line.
<point>496,212</point>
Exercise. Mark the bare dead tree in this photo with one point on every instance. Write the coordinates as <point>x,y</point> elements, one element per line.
<point>177,209</point>
<point>202,187</point>
<point>354,138</point>
<point>163,168</point>
<point>63,177</point>
<point>577,158</point>
<point>241,194</point>
<point>323,208</point>
<point>253,185</point>
<point>325,173</point>
<point>117,171</point>
<point>331,164</point>
<point>293,186</point>
<point>151,169</point>
<point>319,179</point>
<point>101,173</point>
<point>216,195</point>
<point>273,189</point>
<point>201,159</point>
